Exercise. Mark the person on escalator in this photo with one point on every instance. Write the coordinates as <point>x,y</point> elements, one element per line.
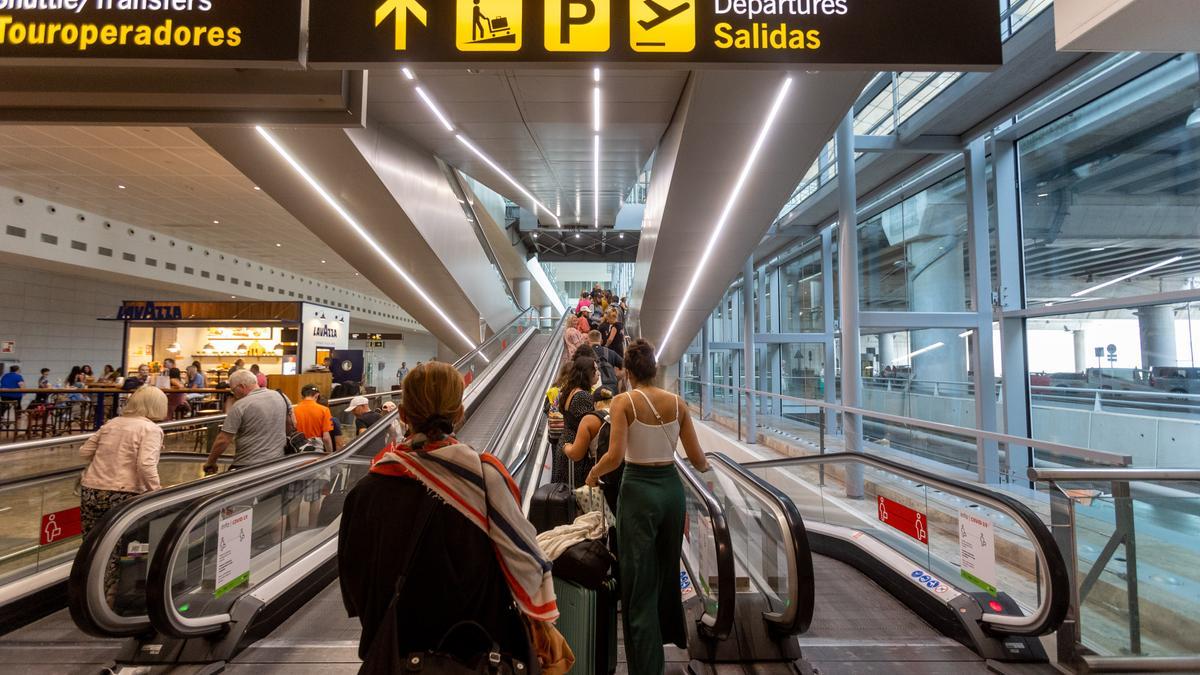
<point>647,425</point>
<point>122,464</point>
<point>575,402</point>
<point>433,536</point>
<point>592,440</point>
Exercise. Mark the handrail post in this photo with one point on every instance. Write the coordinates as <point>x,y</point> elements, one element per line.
<point>1062,527</point>
<point>1123,506</point>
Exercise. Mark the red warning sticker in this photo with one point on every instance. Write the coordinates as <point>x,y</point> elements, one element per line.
<point>900,517</point>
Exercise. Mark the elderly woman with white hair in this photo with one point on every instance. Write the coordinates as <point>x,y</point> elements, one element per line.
<point>123,456</point>
<point>398,431</point>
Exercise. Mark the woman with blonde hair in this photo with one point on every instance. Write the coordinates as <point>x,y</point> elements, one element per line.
<point>123,456</point>
<point>434,536</point>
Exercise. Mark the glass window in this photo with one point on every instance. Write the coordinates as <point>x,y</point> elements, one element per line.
<point>801,281</point>
<point>1125,382</point>
<point>913,256</point>
<point>1110,194</point>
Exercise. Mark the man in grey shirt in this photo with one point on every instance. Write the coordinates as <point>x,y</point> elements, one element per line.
<point>257,421</point>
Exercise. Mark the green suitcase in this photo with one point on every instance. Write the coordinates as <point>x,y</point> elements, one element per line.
<point>588,621</point>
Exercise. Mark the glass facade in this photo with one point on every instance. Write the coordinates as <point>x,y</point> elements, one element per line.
<point>1093,256</point>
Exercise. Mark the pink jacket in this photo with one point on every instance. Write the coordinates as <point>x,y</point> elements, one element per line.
<point>124,456</point>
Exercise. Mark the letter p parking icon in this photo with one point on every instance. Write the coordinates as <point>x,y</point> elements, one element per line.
<point>578,25</point>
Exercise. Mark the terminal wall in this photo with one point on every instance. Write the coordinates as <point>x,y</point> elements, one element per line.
<point>52,316</point>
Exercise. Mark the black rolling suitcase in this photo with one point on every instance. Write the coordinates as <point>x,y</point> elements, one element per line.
<point>552,504</point>
<point>588,621</point>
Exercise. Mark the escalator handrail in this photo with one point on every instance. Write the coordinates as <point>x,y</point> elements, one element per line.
<point>172,425</point>
<point>76,471</point>
<point>465,358</point>
<point>797,617</point>
<point>164,615</point>
<point>1052,605</point>
<point>720,626</point>
<point>519,428</point>
<point>86,600</point>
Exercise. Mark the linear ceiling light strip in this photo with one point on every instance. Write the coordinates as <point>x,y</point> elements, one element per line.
<point>751,160</point>
<point>596,148</point>
<point>333,203</point>
<point>449,125</point>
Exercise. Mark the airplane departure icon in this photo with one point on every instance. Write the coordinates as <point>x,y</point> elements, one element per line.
<point>401,8</point>
<point>661,13</point>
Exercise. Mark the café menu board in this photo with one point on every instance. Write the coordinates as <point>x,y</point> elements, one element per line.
<point>921,34</point>
<point>245,32</point>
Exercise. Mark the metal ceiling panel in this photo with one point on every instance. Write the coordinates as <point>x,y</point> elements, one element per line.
<point>338,165</point>
<point>696,168</point>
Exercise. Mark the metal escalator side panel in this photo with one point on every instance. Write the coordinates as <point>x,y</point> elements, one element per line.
<point>797,613</point>
<point>1051,573</point>
<point>284,558</point>
<point>87,598</point>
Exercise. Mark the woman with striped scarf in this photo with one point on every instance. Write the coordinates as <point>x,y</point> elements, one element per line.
<point>476,558</point>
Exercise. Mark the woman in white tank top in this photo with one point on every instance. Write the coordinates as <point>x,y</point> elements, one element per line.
<point>647,425</point>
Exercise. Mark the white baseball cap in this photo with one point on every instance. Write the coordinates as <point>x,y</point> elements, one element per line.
<point>358,400</point>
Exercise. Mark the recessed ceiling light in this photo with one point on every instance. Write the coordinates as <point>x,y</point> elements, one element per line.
<point>1098,248</point>
<point>257,189</point>
<point>278,245</point>
<point>120,187</point>
<point>233,297</point>
<point>322,262</point>
<point>407,73</point>
<point>216,222</point>
<point>356,274</point>
<point>1044,194</point>
<point>434,109</point>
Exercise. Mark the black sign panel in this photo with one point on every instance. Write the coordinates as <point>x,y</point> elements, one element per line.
<point>918,34</point>
<point>243,32</point>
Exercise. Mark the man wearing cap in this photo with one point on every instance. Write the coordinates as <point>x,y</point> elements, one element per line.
<point>363,415</point>
<point>313,419</point>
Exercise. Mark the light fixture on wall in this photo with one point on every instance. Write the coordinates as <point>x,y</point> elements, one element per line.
<point>174,348</point>
<point>208,347</point>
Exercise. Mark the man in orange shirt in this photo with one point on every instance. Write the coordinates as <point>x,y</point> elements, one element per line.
<point>313,419</point>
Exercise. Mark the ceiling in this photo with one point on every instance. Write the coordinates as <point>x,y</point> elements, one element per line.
<point>537,125</point>
<point>582,245</point>
<point>174,184</point>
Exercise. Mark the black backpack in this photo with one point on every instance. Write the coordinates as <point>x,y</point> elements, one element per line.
<point>608,374</point>
<point>612,482</point>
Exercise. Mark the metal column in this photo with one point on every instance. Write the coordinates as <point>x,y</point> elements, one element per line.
<point>830,326</point>
<point>982,344</point>
<point>705,371</point>
<point>748,349</point>
<point>1013,354</point>
<point>848,286</point>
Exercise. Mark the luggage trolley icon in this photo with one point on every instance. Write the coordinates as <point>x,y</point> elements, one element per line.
<point>499,26</point>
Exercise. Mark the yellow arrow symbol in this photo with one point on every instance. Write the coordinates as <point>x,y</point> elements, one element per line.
<point>401,9</point>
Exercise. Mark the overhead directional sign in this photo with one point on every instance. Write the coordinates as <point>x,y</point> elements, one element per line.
<point>400,9</point>
<point>213,32</point>
<point>877,34</point>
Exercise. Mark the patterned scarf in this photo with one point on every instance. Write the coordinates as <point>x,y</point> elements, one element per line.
<point>489,499</point>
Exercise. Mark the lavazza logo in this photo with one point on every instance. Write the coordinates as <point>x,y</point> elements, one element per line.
<point>325,330</point>
<point>150,311</point>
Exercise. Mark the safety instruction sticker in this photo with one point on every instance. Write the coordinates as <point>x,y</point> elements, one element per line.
<point>977,550</point>
<point>662,25</point>
<point>685,586</point>
<point>488,25</point>
<point>233,551</point>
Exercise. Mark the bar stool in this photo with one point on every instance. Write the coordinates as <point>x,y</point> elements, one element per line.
<point>10,413</point>
<point>37,420</point>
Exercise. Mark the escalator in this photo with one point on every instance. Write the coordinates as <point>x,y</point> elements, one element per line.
<point>918,573</point>
<point>182,604</point>
<point>130,535</point>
